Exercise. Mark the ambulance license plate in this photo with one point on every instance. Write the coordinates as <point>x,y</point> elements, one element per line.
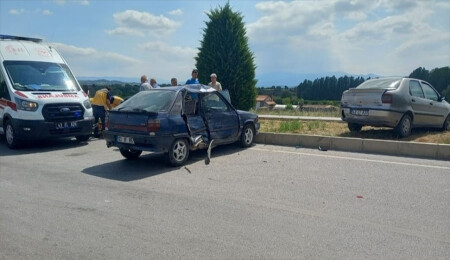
<point>65,125</point>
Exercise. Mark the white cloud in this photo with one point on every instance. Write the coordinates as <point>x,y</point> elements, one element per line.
<point>16,12</point>
<point>131,22</point>
<point>156,59</point>
<point>356,16</point>
<point>164,50</point>
<point>443,5</point>
<point>166,61</point>
<point>176,12</point>
<point>23,11</point>
<point>352,36</point>
<point>60,2</point>
<point>92,62</point>
<point>47,12</point>
<point>402,5</point>
<point>91,53</point>
<point>63,2</point>
<point>370,33</point>
<point>126,31</point>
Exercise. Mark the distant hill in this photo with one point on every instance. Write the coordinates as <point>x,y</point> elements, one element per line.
<point>106,80</point>
<point>264,80</point>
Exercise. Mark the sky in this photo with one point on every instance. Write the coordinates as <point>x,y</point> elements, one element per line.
<point>289,39</point>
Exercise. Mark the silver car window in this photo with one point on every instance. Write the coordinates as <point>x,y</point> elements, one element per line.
<point>414,89</point>
<point>429,92</point>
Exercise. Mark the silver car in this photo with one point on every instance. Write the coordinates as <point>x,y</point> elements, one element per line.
<point>400,103</point>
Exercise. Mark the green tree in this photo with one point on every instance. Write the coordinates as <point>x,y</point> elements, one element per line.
<point>224,50</point>
<point>286,101</point>
<point>440,78</point>
<point>446,93</point>
<point>420,73</point>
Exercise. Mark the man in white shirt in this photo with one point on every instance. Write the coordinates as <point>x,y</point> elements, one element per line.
<point>214,83</point>
<point>144,83</point>
<point>153,83</point>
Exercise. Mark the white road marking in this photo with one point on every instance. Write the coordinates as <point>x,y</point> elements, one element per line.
<point>355,159</point>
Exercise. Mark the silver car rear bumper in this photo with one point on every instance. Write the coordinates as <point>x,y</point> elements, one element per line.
<point>375,117</point>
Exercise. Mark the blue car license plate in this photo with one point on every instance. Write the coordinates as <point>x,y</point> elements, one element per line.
<point>359,112</point>
<point>125,139</point>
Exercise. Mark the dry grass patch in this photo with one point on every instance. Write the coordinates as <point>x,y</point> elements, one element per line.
<point>340,129</point>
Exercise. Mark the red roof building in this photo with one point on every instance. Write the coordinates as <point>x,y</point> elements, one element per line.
<point>264,101</point>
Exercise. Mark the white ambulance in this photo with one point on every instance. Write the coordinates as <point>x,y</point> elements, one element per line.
<point>39,96</point>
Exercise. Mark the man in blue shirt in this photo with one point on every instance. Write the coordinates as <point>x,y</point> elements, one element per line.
<point>194,79</point>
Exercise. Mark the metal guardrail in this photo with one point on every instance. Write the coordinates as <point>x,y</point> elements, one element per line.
<point>310,118</point>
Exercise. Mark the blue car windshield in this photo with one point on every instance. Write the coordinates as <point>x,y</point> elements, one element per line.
<point>156,100</point>
<point>40,76</point>
<point>388,83</point>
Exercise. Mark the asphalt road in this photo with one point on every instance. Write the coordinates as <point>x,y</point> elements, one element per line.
<point>63,200</point>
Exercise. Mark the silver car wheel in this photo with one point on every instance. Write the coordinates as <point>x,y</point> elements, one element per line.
<point>404,127</point>
<point>447,124</point>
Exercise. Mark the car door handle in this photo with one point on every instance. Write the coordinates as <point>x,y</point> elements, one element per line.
<point>431,103</point>
<point>413,100</point>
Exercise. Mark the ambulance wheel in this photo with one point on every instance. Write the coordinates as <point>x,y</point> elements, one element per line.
<point>11,136</point>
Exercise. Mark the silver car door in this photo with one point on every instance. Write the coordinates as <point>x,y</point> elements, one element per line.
<point>436,110</point>
<point>418,103</point>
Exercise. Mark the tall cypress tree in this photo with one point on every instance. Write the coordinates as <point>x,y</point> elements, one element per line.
<point>224,50</point>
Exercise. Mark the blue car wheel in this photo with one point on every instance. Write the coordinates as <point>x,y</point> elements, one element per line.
<point>179,152</point>
<point>247,135</point>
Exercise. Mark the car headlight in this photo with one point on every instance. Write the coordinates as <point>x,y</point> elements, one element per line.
<point>87,104</point>
<point>26,105</point>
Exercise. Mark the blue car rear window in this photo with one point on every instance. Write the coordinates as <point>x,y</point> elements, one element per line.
<point>149,101</point>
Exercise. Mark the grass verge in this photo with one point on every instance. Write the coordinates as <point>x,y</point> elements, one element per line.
<point>325,128</point>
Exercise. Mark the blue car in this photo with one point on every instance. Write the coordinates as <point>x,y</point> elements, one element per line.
<point>177,120</point>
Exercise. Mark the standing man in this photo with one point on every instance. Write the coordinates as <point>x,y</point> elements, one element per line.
<point>194,79</point>
<point>99,101</point>
<point>214,83</point>
<point>174,82</point>
<point>153,83</point>
<point>144,83</point>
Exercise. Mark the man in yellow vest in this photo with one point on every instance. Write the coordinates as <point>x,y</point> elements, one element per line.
<point>115,101</point>
<point>99,101</point>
